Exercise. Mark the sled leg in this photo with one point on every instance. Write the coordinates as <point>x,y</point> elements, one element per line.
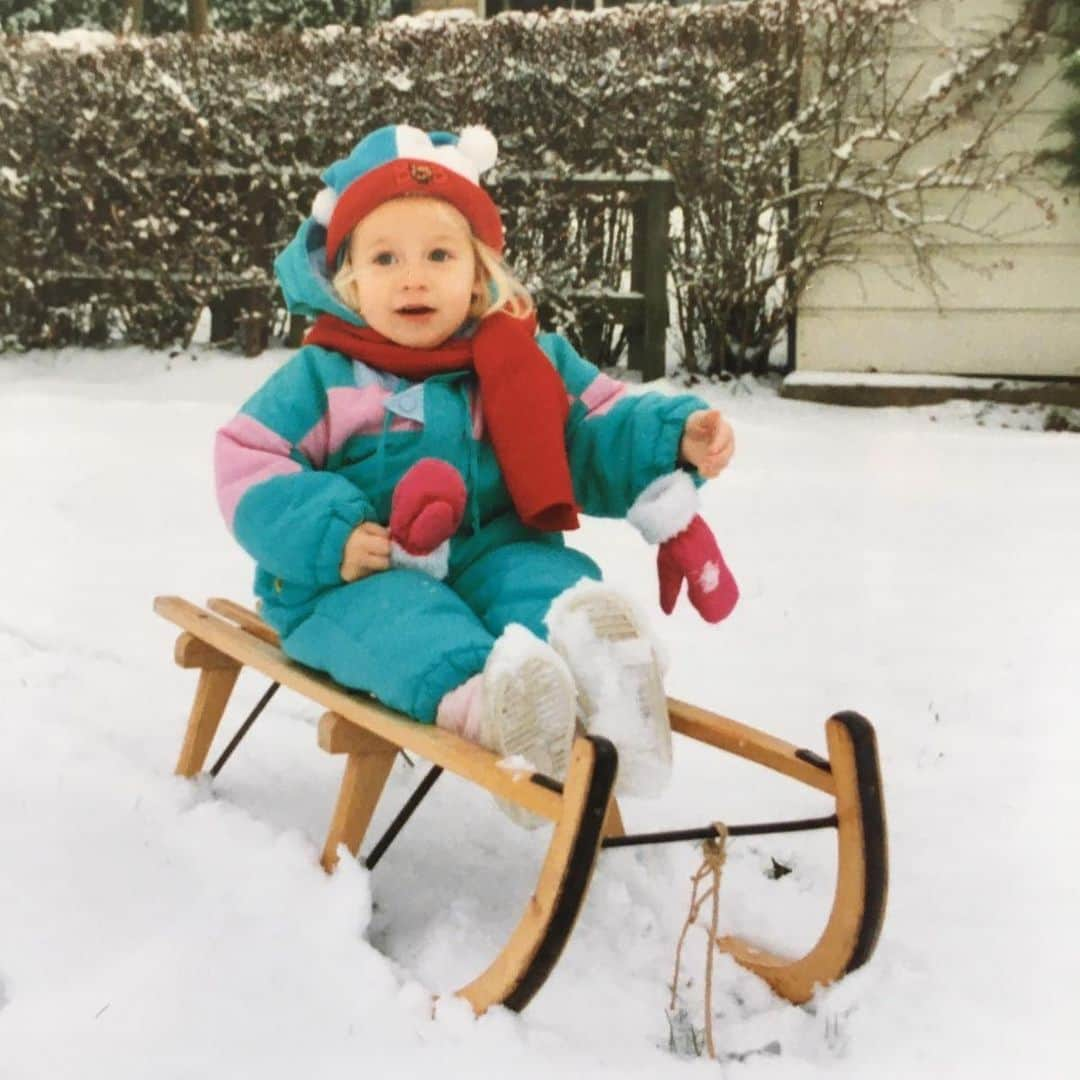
<point>367,767</point>
<point>862,872</point>
<point>217,677</point>
<point>521,969</point>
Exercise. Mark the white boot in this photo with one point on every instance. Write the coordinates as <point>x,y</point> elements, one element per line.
<point>528,709</point>
<point>619,680</point>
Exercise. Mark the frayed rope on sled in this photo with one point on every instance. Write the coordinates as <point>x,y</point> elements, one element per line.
<point>711,871</point>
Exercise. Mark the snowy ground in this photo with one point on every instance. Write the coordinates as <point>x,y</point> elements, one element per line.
<point>919,566</point>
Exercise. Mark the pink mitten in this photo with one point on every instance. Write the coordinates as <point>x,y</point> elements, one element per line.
<point>694,555</point>
<point>426,510</point>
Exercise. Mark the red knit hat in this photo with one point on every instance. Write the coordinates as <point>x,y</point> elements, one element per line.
<point>398,161</point>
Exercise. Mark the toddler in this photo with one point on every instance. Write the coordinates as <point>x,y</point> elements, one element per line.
<point>404,481</point>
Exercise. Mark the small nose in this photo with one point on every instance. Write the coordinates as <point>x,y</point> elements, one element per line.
<point>413,276</point>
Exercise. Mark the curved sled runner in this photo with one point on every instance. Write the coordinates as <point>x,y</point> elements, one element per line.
<point>225,637</point>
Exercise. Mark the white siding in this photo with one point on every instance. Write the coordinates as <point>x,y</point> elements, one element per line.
<point>1010,307</point>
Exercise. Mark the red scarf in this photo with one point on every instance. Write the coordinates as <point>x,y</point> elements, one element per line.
<point>523,399</point>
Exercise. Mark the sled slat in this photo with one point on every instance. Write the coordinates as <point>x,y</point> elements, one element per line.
<point>244,617</point>
<point>696,723</point>
<point>747,742</point>
<point>434,744</point>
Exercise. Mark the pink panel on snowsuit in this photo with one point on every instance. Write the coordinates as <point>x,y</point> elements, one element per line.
<point>245,454</point>
<point>350,411</point>
<point>601,394</point>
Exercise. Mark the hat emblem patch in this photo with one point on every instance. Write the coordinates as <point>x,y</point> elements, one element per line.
<point>422,174</point>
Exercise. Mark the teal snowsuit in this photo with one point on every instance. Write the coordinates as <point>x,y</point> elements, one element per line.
<point>319,448</point>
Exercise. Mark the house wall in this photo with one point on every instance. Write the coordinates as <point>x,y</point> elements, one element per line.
<point>1007,308</point>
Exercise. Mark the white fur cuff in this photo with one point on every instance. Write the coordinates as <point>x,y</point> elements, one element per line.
<point>436,562</point>
<point>665,507</point>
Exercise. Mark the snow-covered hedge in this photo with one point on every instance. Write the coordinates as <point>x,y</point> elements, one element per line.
<point>143,179</point>
<point>24,16</point>
<point>170,16</point>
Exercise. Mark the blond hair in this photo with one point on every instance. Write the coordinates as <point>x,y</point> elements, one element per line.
<point>497,287</point>
<point>504,291</point>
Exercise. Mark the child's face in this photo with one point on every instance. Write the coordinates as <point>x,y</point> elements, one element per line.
<point>414,270</point>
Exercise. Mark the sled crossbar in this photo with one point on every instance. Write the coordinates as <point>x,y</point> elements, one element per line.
<point>675,836</point>
<point>219,641</point>
<point>244,728</point>
<point>403,816</point>
<point>710,832</point>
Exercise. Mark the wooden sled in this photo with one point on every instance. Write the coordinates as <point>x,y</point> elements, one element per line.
<point>221,640</point>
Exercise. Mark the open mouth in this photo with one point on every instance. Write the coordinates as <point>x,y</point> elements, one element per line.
<point>416,309</point>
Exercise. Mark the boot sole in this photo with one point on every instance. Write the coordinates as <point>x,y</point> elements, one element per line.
<point>530,713</point>
<point>613,622</point>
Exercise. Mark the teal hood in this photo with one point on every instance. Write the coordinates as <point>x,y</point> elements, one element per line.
<point>301,269</point>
